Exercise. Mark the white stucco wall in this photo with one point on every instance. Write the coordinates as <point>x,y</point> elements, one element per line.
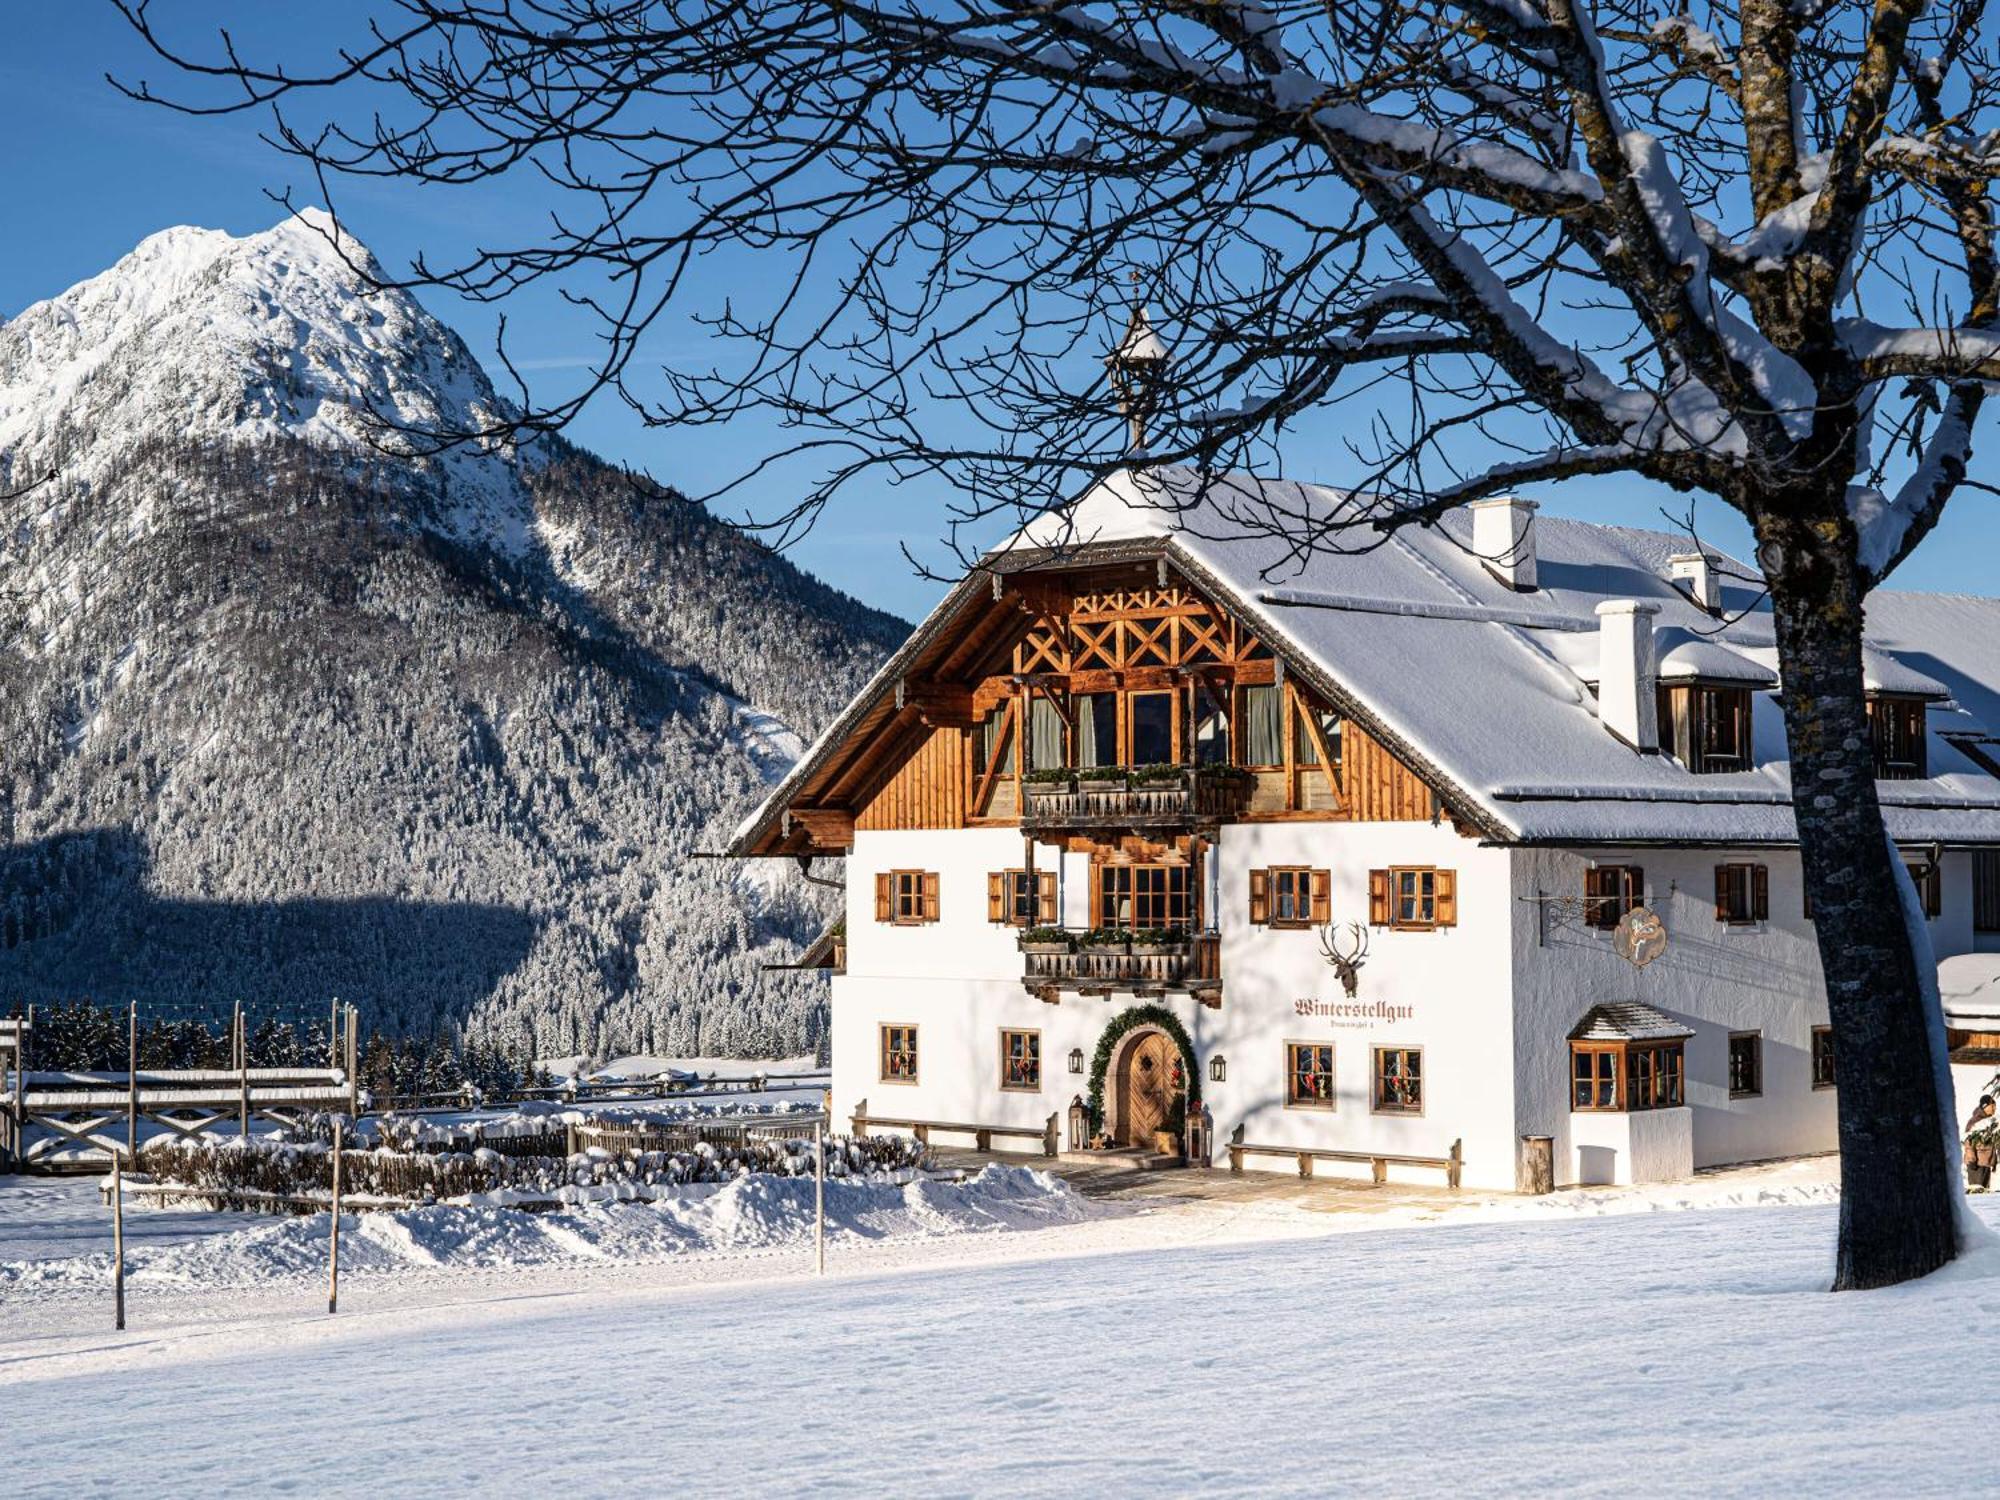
<point>1714,978</point>
<point>1617,1147</point>
<point>1491,1001</point>
<point>1452,981</point>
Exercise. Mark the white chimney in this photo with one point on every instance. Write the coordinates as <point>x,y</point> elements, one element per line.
<point>1503,538</point>
<point>1626,673</point>
<point>1695,572</point>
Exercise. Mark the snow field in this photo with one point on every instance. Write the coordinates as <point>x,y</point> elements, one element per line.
<point>1593,1354</point>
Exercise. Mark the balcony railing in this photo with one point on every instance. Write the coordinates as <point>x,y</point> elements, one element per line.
<point>1092,962</point>
<point>1148,797</point>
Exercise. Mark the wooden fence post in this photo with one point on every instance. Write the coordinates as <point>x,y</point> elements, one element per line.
<point>353,1062</point>
<point>860,1124</point>
<point>1049,1137</point>
<point>333,1252</point>
<point>118,1241</point>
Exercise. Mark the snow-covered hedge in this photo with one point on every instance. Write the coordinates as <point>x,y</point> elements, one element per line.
<point>299,1175</point>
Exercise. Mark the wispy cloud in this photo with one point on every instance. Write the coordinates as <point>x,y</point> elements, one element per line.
<point>557,362</point>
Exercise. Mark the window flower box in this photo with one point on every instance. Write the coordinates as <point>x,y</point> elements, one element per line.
<point>1100,779</point>
<point>1047,941</point>
<point>1105,940</point>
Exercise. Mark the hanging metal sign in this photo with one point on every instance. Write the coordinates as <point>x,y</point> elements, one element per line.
<point>1641,936</point>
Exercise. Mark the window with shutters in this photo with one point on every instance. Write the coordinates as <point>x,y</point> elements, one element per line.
<point>1897,728</point>
<point>1742,894</point>
<point>1022,898</point>
<point>1309,1075</point>
<point>1399,1080</point>
<point>1291,896</point>
<point>1986,890</point>
<point>906,898</point>
<point>1706,726</point>
<point>1746,1064</point>
<point>1822,1057</point>
<point>899,1053</point>
<point>1145,896</point>
<point>1609,891</point>
<point>1021,1061</point>
<point>1413,897</point>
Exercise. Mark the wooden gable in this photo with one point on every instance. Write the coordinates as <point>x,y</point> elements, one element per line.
<point>911,759</point>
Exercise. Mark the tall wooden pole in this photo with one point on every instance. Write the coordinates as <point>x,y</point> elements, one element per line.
<point>353,1062</point>
<point>242,1076</point>
<point>333,1033</point>
<point>118,1242</point>
<point>333,1251</point>
<point>819,1197</point>
<point>132,1085</point>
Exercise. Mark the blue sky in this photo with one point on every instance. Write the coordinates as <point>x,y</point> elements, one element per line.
<point>87,174</point>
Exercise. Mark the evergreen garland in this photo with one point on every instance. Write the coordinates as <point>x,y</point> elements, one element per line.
<point>1120,1026</point>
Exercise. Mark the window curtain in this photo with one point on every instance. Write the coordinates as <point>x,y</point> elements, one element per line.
<point>1045,734</point>
<point>1263,726</point>
<point>1092,747</point>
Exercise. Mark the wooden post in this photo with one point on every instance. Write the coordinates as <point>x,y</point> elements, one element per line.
<point>242,1076</point>
<point>819,1197</point>
<point>1456,1170</point>
<point>860,1123</point>
<point>1049,1137</point>
<point>333,1249</point>
<point>236,1035</point>
<point>353,1062</point>
<point>132,1085</point>
<point>333,1032</point>
<point>118,1242</point>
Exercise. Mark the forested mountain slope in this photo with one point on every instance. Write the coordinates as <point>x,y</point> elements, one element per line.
<point>285,716</point>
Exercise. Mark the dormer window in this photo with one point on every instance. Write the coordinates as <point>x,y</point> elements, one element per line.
<point>1898,726</point>
<point>1706,726</point>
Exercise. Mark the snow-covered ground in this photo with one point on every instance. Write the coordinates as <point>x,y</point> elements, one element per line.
<point>1596,1343</point>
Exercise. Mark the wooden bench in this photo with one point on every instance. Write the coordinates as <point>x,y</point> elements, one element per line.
<point>982,1134</point>
<point>1379,1162</point>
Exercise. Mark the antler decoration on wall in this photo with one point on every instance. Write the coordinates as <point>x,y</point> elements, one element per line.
<point>1347,965</point>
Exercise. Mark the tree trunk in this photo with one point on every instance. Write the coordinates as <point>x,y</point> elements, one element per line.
<point>1896,1185</point>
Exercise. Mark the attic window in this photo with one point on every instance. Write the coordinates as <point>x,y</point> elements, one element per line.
<point>1706,726</point>
<point>1898,727</point>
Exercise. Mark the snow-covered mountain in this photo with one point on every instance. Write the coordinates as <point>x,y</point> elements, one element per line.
<point>291,707</point>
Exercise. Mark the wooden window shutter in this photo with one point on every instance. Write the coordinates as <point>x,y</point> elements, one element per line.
<point>1322,897</point>
<point>1722,893</point>
<point>882,910</point>
<point>1760,893</point>
<point>1045,898</point>
<point>1635,888</point>
<point>930,896</point>
<point>996,896</point>
<point>1596,910</point>
<point>1378,897</point>
<point>1260,896</point>
<point>1446,909</point>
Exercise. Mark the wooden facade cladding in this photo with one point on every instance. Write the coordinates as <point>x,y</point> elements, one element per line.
<point>926,791</point>
<point>914,757</point>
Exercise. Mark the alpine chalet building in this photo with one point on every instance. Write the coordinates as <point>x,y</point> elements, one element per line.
<point>1473,852</point>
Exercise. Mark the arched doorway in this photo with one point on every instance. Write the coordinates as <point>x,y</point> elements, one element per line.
<point>1146,1084</point>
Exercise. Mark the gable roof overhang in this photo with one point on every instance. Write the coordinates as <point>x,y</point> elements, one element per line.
<point>969,621</point>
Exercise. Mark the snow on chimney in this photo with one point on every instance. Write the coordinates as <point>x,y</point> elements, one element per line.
<point>1626,672</point>
<point>1695,572</point>
<point>1503,538</point>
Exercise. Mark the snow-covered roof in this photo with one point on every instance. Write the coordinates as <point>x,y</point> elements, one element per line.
<point>1970,985</point>
<point>1684,654</point>
<point>1141,342</point>
<point>1628,1021</point>
<point>1486,691</point>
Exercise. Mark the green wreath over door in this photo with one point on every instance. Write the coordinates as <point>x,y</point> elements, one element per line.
<point>1123,1025</point>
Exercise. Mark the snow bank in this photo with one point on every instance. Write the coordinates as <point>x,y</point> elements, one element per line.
<point>750,1214</point>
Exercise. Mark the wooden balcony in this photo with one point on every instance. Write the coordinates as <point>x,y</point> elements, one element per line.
<point>1113,798</point>
<point>1189,966</point>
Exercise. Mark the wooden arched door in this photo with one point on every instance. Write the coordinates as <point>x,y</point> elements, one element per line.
<point>1145,1088</point>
